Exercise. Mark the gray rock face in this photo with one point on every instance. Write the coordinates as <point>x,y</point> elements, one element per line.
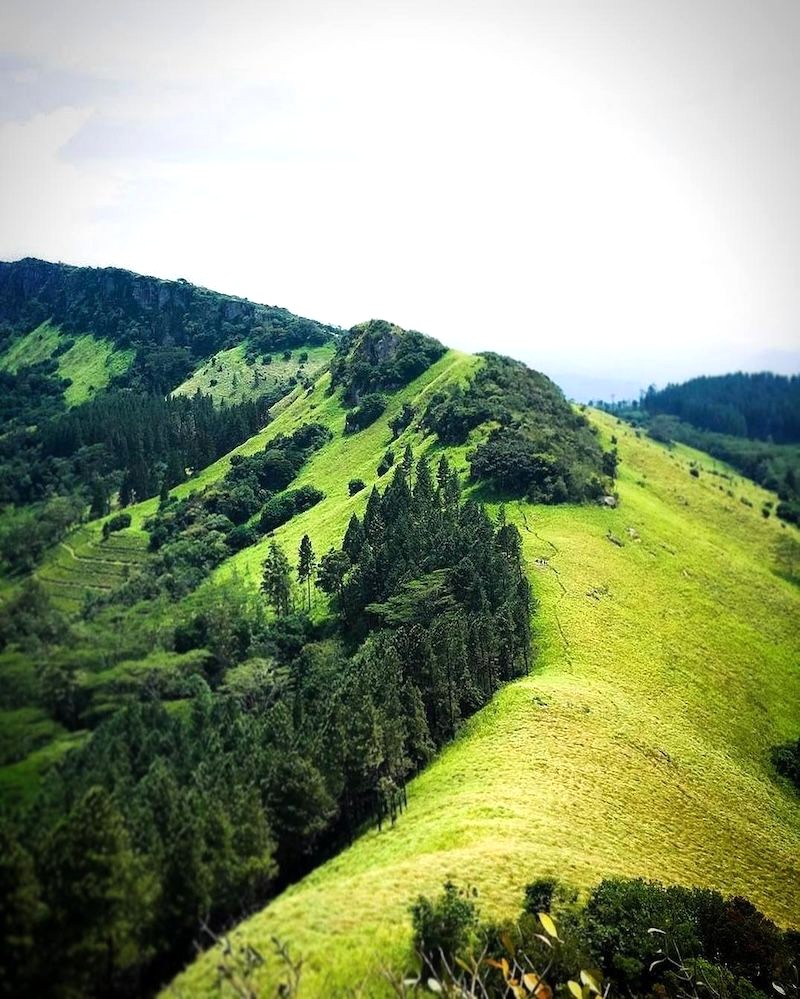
<point>124,306</point>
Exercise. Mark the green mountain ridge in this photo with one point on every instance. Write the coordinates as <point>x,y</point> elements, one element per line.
<point>640,745</point>
<point>664,648</point>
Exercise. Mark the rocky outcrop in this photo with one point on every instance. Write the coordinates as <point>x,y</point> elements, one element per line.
<point>131,308</point>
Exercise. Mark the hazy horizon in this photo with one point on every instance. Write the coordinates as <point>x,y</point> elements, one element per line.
<point>604,190</point>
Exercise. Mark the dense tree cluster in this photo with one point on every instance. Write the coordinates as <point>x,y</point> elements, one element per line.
<point>30,396</point>
<point>763,406</point>
<point>378,355</point>
<point>290,740</point>
<point>123,441</point>
<point>541,448</point>
<point>190,537</point>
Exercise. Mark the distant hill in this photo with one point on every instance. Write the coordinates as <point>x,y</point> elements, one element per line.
<point>763,406</point>
<point>133,310</point>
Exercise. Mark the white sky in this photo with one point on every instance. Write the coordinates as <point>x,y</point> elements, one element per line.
<point>609,189</point>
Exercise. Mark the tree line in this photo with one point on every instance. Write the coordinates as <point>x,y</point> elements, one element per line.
<point>294,736</point>
<point>540,448</point>
<point>764,406</point>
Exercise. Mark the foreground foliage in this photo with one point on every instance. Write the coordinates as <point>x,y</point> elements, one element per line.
<point>287,742</point>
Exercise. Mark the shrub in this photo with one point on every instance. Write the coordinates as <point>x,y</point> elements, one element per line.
<point>116,523</point>
<point>355,486</point>
<point>403,419</point>
<point>695,472</point>
<point>386,463</point>
<point>786,759</point>
<point>372,406</point>
<point>539,895</point>
<point>307,496</point>
<point>443,927</point>
<point>284,506</point>
<point>277,511</point>
<point>242,536</point>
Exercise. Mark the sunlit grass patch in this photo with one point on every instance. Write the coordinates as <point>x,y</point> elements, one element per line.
<point>667,668</point>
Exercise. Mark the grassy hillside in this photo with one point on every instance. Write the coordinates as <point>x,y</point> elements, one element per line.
<point>85,562</point>
<point>667,668</point>
<point>89,362</point>
<point>230,376</point>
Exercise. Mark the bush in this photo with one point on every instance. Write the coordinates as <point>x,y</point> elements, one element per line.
<point>372,406</point>
<point>443,927</point>
<point>539,895</point>
<point>355,486</point>
<point>277,511</point>
<point>786,759</point>
<point>403,419</point>
<point>242,536</point>
<point>116,523</point>
<point>307,496</point>
<point>386,463</point>
<point>284,506</point>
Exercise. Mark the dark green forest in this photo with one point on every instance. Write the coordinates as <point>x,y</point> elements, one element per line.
<point>749,421</point>
<point>281,747</point>
<point>762,406</point>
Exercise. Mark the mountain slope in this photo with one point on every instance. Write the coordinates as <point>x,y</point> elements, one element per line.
<point>639,745</point>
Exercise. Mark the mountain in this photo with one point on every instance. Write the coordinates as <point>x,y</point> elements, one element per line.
<point>761,406</point>
<point>751,421</point>
<point>132,310</point>
<point>410,617</point>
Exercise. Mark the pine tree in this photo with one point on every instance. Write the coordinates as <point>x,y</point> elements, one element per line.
<point>333,567</point>
<point>276,582</point>
<point>89,867</point>
<point>307,563</point>
<point>100,505</point>
<point>353,539</point>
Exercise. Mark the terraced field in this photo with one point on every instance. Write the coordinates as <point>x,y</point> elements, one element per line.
<point>667,649</point>
<point>85,563</point>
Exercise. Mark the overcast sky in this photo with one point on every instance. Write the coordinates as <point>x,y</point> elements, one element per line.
<point>608,189</point>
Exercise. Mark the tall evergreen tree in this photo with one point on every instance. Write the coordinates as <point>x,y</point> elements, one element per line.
<point>276,580</point>
<point>306,564</point>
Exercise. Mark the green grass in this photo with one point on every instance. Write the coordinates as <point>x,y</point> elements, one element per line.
<point>19,782</point>
<point>235,380</point>
<point>90,363</point>
<point>83,563</point>
<point>666,669</point>
<point>23,730</point>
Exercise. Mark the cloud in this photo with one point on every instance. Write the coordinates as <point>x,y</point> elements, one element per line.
<point>45,202</point>
<point>608,186</point>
